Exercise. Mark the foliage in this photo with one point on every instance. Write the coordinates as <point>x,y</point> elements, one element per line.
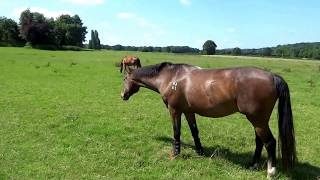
<point>236,51</point>
<point>9,33</point>
<point>35,28</point>
<point>71,48</point>
<point>298,50</point>
<point>266,52</point>
<point>70,30</point>
<point>209,47</point>
<point>171,49</point>
<point>94,43</point>
<point>38,30</point>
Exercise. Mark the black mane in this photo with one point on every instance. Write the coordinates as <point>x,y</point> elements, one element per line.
<point>151,70</point>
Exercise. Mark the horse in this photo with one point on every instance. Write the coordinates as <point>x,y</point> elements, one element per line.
<point>190,90</point>
<point>129,61</point>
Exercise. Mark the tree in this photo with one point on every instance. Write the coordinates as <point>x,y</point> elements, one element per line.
<point>266,52</point>
<point>36,29</point>
<point>236,51</point>
<point>69,30</point>
<point>97,40</point>
<point>9,33</point>
<point>209,47</point>
<point>94,43</point>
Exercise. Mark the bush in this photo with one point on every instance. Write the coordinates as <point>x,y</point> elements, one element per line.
<point>71,48</point>
<point>45,46</point>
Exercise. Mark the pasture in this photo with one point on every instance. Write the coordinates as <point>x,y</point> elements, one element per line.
<point>61,116</point>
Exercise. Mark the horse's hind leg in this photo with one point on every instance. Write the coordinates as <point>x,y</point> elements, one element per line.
<point>264,133</point>
<point>257,154</point>
<point>195,132</point>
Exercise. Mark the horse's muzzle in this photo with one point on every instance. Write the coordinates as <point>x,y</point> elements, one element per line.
<point>124,96</point>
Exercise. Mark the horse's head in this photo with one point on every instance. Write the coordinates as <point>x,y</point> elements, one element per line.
<point>129,87</point>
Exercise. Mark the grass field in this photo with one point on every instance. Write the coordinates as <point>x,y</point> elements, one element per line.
<point>61,117</point>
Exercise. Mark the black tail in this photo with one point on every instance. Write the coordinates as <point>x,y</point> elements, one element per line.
<point>286,129</point>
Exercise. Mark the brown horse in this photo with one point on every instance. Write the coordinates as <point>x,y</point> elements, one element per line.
<point>129,61</point>
<point>220,92</point>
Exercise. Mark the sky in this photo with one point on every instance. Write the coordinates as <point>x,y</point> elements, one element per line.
<point>229,23</point>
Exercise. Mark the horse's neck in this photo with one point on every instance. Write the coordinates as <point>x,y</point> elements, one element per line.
<point>150,83</point>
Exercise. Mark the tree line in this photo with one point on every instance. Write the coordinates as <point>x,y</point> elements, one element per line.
<point>298,50</point>
<point>170,49</point>
<point>35,30</point>
<point>209,48</point>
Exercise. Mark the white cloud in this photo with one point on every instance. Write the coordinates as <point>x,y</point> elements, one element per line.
<point>86,2</point>
<point>47,13</point>
<point>185,2</point>
<point>125,15</point>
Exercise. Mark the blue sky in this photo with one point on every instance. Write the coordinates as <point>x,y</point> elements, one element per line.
<point>230,23</point>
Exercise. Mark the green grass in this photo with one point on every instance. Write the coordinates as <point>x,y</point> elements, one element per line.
<point>61,116</point>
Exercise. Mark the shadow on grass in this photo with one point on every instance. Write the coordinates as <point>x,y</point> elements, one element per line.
<point>302,170</point>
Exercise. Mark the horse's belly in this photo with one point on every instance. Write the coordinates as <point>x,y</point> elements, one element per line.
<point>216,110</point>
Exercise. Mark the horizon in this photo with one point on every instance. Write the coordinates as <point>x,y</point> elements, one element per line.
<point>246,25</point>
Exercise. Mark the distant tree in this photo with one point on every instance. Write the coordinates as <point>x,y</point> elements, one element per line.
<point>279,51</point>
<point>34,28</point>
<point>236,51</point>
<point>165,49</point>
<point>157,49</point>
<point>117,47</point>
<point>266,52</point>
<point>209,47</point>
<point>90,46</point>
<point>94,43</point>
<point>316,54</point>
<point>9,33</point>
<point>145,49</point>
<point>295,52</point>
<point>97,40</point>
<point>69,30</point>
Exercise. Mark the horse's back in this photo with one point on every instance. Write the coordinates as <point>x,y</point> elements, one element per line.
<point>220,92</point>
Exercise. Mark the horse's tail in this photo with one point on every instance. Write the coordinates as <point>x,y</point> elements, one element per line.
<point>286,129</point>
<point>121,64</point>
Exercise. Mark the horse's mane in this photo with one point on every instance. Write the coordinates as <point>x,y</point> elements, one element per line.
<point>153,70</point>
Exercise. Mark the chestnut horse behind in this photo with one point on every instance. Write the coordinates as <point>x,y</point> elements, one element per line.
<point>129,61</point>
<point>190,90</point>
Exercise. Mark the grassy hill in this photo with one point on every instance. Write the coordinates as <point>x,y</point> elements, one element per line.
<point>61,116</point>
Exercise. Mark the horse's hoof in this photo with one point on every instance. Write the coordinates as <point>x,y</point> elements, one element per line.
<point>271,172</point>
<point>200,152</point>
<point>173,155</point>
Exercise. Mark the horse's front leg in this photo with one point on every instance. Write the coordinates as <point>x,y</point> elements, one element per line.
<point>176,125</point>
<point>195,132</point>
